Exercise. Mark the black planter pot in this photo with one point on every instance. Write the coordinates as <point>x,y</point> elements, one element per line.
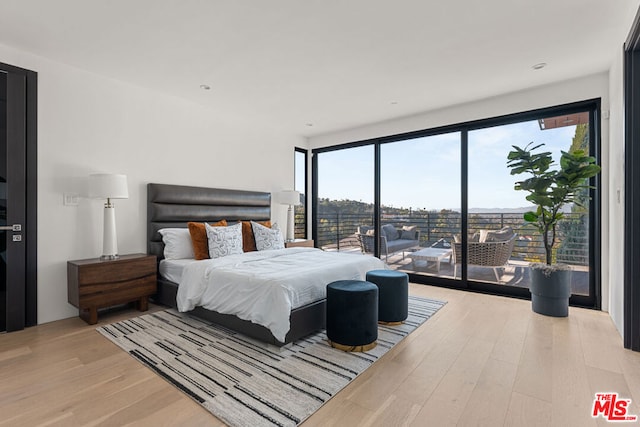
<point>550,293</point>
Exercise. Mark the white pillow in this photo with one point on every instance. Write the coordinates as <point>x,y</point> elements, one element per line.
<point>224,241</point>
<point>267,238</point>
<point>177,243</point>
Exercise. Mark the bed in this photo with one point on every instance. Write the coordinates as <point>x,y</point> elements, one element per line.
<point>173,206</point>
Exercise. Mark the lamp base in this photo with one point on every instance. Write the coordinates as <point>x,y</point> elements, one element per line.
<point>290,225</point>
<point>110,241</point>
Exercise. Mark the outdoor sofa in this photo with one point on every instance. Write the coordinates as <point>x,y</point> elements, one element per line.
<point>392,239</point>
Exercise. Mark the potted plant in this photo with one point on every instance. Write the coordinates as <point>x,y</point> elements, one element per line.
<point>549,190</point>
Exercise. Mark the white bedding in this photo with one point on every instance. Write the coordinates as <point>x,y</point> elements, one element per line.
<point>264,286</point>
<point>171,269</point>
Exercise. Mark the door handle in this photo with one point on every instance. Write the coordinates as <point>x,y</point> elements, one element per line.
<point>14,227</point>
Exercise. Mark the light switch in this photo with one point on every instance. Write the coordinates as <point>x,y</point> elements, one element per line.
<point>70,199</point>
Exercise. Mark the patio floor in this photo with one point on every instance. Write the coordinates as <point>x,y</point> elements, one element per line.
<point>516,273</point>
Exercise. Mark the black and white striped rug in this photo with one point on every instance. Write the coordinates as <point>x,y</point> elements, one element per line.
<point>245,382</point>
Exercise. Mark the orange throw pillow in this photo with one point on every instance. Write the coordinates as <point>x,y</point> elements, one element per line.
<point>199,238</point>
<point>248,241</point>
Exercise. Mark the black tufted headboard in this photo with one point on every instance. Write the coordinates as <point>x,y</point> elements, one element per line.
<point>176,205</point>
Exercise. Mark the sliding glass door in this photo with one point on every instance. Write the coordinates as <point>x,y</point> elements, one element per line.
<point>440,204</point>
<point>344,202</point>
<point>496,209</point>
<point>420,203</point>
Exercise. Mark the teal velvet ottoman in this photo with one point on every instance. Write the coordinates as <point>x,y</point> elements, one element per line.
<point>352,315</point>
<point>393,295</point>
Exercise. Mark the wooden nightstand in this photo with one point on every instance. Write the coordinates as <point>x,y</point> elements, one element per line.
<point>94,284</point>
<point>299,243</point>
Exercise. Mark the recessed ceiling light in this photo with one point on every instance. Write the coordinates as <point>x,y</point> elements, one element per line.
<point>539,66</point>
<point>205,87</point>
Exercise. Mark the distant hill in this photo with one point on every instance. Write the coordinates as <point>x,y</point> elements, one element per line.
<point>353,206</point>
<point>566,209</point>
<point>500,210</point>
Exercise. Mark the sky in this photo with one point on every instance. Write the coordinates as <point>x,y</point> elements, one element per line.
<point>424,173</point>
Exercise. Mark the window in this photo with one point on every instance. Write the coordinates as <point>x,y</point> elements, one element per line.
<point>494,204</point>
<point>345,197</point>
<point>300,184</point>
<point>427,202</point>
<point>420,197</point>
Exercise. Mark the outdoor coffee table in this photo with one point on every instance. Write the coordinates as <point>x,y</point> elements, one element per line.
<point>430,254</point>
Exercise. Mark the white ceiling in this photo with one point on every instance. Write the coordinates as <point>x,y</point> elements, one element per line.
<point>333,64</point>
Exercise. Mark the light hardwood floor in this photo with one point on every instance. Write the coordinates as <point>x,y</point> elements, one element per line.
<point>481,360</point>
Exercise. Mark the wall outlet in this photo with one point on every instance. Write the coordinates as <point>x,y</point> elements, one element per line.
<point>70,199</point>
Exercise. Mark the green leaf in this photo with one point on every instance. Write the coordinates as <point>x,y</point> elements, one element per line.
<point>550,189</point>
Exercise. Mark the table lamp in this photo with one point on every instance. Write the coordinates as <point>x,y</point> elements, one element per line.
<point>109,186</point>
<point>291,198</point>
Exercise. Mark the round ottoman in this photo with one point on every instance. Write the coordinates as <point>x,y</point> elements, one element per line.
<point>393,296</point>
<point>352,315</point>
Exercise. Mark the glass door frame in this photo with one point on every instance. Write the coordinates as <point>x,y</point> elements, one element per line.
<point>593,300</point>
<point>592,106</point>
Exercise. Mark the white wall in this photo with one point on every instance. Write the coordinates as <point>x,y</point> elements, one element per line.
<point>595,86</point>
<point>589,87</point>
<point>88,124</point>
<point>616,189</point>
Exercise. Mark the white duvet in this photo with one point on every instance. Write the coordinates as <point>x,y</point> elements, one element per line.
<point>264,286</point>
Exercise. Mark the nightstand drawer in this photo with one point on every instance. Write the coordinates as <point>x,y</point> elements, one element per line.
<point>116,271</point>
<point>105,294</point>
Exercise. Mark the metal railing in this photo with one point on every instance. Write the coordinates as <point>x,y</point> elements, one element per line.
<point>336,230</point>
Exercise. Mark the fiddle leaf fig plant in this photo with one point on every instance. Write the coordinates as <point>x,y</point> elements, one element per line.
<point>549,190</point>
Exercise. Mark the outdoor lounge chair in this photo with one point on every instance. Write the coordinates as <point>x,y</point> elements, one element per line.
<point>494,254</point>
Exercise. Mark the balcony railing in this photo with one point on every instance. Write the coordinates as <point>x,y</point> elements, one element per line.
<point>336,230</point>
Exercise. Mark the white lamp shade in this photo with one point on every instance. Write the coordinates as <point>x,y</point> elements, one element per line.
<point>108,186</point>
<point>288,197</point>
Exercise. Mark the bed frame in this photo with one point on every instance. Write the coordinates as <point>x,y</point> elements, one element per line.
<point>175,205</point>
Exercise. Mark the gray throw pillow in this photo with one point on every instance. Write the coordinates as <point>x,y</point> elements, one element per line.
<point>500,235</point>
<point>390,232</point>
<point>408,235</point>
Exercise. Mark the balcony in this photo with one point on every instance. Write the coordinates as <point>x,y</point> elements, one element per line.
<point>336,232</point>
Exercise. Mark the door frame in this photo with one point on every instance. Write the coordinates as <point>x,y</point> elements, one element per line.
<point>28,316</point>
<point>632,188</point>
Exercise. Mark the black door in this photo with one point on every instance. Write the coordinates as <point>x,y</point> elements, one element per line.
<point>17,297</point>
